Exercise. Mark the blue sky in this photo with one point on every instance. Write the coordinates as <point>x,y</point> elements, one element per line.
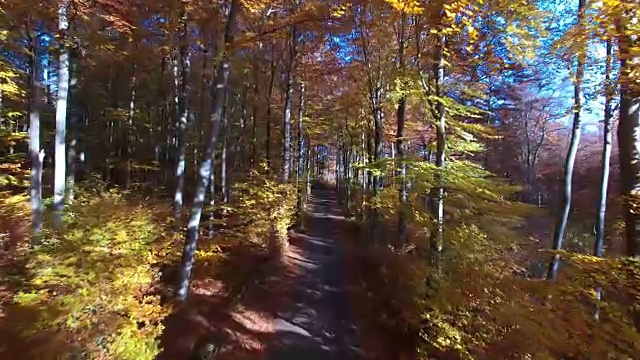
<point>565,14</point>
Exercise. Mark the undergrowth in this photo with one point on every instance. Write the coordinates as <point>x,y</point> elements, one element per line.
<point>262,211</point>
<point>94,283</point>
<point>91,280</point>
<point>478,301</point>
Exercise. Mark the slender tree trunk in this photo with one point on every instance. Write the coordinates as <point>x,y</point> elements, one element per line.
<point>223,156</point>
<point>629,133</point>
<point>240,153</point>
<point>606,154</point>
<point>127,148</point>
<point>201,113</point>
<point>254,122</point>
<point>9,123</point>
<point>300,152</point>
<point>71,159</point>
<point>72,156</point>
<point>288,104</point>
<point>565,208</point>
<point>309,169</point>
<point>267,142</point>
<point>346,178</point>
<point>35,153</point>
<point>437,236</point>
<point>376,178</point>
<point>426,157</point>
<point>46,60</point>
<point>402,106</point>
<point>606,159</point>
<point>363,150</point>
<point>60,176</point>
<point>182,113</point>
<point>220,83</point>
<point>212,199</point>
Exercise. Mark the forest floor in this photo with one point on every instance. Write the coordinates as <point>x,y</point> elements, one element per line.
<point>301,309</point>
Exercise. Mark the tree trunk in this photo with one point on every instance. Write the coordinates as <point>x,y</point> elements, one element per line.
<point>182,112</point>
<point>629,135</point>
<point>126,148</point>
<point>376,185</point>
<point>220,83</point>
<point>300,153</point>
<point>606,159</point>
<point>288,103</point>
<point>307,195</point>
<point>240,153</point>
<point>201,113</point>
<point>35,153</point>
<point>267,142</point>
<point>72,157</point>
<point>369,158</point>
<point>565,208</point>
<point>223,156</point>
<point>60,176</point>
<point>212,199</point>
<point>437,236</point>
<point>254,122</point>
<point>402,106</point>
<point>363,150</point>
<point>606,154</point>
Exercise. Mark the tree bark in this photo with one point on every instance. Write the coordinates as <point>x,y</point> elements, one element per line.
<point>212,198</point>
<point>565,208</point>
<point>35,153</point>
<point>127,150</point>
<point>629,134</point>
<point>72,156</point>
<point>363,150</point>
<point>606,159</point>
<point>241,154</point>
<point>254,120</point>
<point>220,83</point>
<point>60,176</point>
<point>182,113</point>
<point>300,169</point>
<point>223,155</point>
<point>201,112</point>
<point>267,142</point>
<point>402,106</point>
<point>606,154</point>
<point>307,195</point>
<point>288,104</point>
<point>437,236</point>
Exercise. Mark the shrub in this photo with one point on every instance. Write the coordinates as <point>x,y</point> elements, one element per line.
<point>92,282</point>
<point>472,301</point>
<point>262,209</point>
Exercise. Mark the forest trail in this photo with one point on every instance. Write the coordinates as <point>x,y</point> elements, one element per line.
<point>315,322</point>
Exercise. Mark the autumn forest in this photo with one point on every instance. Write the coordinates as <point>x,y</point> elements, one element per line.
<point>305,179</point>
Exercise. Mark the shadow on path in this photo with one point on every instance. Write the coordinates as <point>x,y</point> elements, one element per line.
<point>315,322</point>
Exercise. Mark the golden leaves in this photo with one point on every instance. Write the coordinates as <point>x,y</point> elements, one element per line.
<point>339,10</point>
<point>255,6</point>
<point>90,282</point>
<point>406,6</point>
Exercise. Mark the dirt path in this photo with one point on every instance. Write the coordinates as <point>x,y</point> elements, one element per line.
<point>315,322</point>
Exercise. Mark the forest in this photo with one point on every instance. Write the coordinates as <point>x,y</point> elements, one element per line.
<point>305,179</point>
